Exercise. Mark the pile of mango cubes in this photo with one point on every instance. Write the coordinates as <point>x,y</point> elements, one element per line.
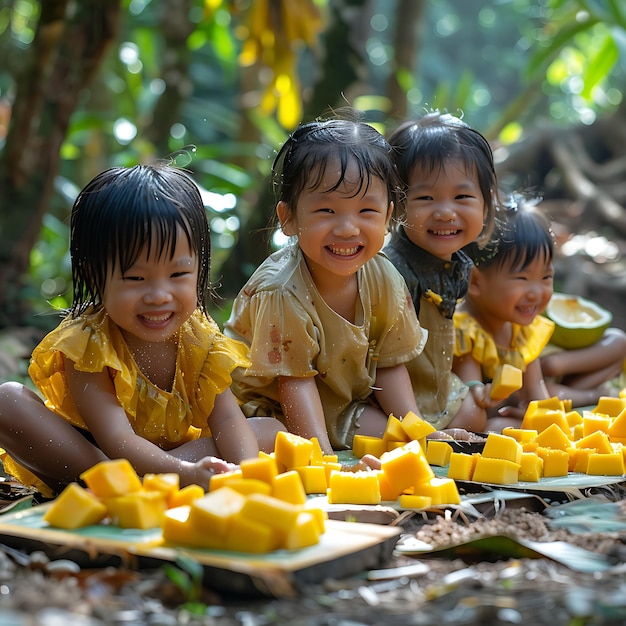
<point>552,441</point>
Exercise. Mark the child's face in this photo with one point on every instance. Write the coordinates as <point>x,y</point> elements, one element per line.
<point>155,296</point>
<point>445,209</point>
<point>513,295</point>
<point>338,231</point>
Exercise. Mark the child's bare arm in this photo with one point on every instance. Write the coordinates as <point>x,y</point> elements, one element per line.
<point>303,410</point>
<point>105,418</point>
<point>233,436</point>
<point>394,391</point>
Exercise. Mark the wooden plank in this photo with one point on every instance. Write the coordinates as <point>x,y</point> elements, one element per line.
<point>344,549</point>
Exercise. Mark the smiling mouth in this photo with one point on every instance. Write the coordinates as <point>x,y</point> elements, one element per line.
<point>444,233</point>
<point>156,319</point>
<point>344,251</point>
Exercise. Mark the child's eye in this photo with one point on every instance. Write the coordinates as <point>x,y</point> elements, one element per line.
<point>136,278</point>
<point>180,274</point>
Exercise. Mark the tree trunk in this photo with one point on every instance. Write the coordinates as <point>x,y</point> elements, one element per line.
<point>70,42</point>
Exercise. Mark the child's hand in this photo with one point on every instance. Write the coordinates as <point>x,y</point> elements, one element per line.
<point>201,472</point>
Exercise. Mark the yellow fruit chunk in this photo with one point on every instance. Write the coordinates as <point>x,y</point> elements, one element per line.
<point>288,487</point>
<point>598,441</point>
<point>250,535</point>
<point>617,429</point>
<point>291,450</point>
<point>502,447</point>
<point>579,459</point>
<point>313,478</point>
<point>574,418</point>
<point>364,444</point>
<point>186,495</point>
<point>555,462</point>
<point>141,509</point>
<point>316,452</point>
<point>304,533</point>
<point>438,453</point>
<point>606,464</point>
<point>508,380</point>
<point>610,406</point>
<point>168,483</point>
<point>553,437</point>
<point>259,468</point>
<point>246,486</point>
<point>320,517</point>
<point>495,470</point>
<point>415,426</point>
<point>406,466</point>
<point>75,507</point>
<point>439,490</point>
<point>462,466</point>
<point>109,479</point>
<point>408,501</point>
<point>522,435</point>
<point>394,431</point>
<point>541,418</point>
<point>353,488</point>
<point>213,512</point>
<point>278,514</point>
<point>531,467</point>
<point>595,421</point>
<point>221,480</point>
<point>388,492</point>
<point>177,530</point>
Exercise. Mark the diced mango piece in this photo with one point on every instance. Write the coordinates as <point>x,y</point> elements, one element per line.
<point>353,488</point>
<point>555,462</point>
<point>404,467</point>
<point>313,478</point>
<point>245,534</point>
<point>168,482</point>
<point>553,437</point>
<point>508,380</point>
<point>280,515</point>
<point>304,533</point>
<point>288,486</point>
<point>462,466</point>
<point>116,477</point>
<point>531,467</point>
<point>606,464</point>
<point>579,459</point>
<point>610,406</point>
<point>573,418</point>
<point>183,496</point>
<point>213,512</point>
<point>595,421</point>
<point>246,486</point>
<point>364,444</point>
<point>394,431</point>
<point>220,480</point>
<point>541,418</point>
<point>495,470</point>
<point>408,501</point>
<point>416,427</point>
<point>75,507</point>
<point>617,429</point>
<point>597,440</point>
<point>141,509</point>
<point>291,450</point>
<point>438,452</point>
<point>260,468</point>
<point>502,447</point>
<point>519,434</point>
<point>320,517</point>
<point>439,490</point>
<point>177,530</point>
<point>316,452</point>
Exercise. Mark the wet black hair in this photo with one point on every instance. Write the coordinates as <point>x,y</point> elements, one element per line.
<point>438,138</point>
<point>124,209</point>
<point>522,233</point>
<point>302,160</point>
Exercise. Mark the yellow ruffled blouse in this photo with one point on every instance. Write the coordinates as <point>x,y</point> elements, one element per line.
<point>527,343</point>
<point>167,418</point>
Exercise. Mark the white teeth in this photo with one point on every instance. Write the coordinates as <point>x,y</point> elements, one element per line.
<point>344,251</point>
<point>445,232</point>
<point>155,318</point>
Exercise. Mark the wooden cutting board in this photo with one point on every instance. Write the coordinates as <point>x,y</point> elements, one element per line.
<point>345,549</point>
